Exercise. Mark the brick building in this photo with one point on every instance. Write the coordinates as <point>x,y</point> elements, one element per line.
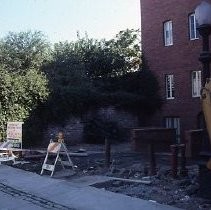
<point>171,45</point>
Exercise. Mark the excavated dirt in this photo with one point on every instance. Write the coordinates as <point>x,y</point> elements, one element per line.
<point>182,192</point>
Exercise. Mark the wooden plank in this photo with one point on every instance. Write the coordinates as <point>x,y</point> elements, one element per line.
<point>13,149</point>
<point>131,180</point>
<point>77,154</point>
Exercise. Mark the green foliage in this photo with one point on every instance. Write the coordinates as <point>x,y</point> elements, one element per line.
<point>89,73</point>
<point>20,94</point>
<point>97,130</point>
<point>114,57</point>
<point>104,62</point>
<point>23,86</point>
<point>24,50</point>
<point>103,59</point>
<point>136,92</point>
<point>127,44</point>
<point>71,89</point>
<point>78,76</point>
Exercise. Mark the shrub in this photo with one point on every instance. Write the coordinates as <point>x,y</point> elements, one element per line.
<point>96,130</point>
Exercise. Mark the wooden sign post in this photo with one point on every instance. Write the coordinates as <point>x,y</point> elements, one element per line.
<point>13,141</point>
<point>14,134</point>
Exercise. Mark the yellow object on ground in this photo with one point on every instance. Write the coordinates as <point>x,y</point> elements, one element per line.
<point>206,107</point>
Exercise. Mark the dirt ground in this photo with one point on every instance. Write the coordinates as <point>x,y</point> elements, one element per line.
<point>182,192</point>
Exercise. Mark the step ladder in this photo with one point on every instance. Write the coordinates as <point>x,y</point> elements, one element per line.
<point>58,149</point>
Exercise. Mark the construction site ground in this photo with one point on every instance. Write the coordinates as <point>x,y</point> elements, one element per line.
<point>181,192</point>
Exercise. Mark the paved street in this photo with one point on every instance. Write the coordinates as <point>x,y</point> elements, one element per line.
<point>11,198</point>
<point>25,190</point>
<point>9,202</point>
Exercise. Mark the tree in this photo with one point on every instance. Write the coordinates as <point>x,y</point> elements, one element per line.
<point>115,57</point>
<point>104,59</point>
<point>72,92</point>
<point>23,86</point>
<point>72,78</point>
<point>89,73</point>
<point>127,44</point>
<point>24,50</point>
<point>19,95</point>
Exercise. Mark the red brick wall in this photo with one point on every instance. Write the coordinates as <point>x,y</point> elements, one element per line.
<point>180,59</point>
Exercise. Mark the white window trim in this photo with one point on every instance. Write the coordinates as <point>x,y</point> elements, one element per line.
<point>195,30</point>
<point>198,84</point>
<point>168,26</point>
<point>171,77</point>
<point>174,122</point>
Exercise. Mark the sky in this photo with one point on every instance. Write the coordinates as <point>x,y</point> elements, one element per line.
<point>61,19</point>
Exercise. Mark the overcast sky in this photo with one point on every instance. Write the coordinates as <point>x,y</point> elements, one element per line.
<point>61,19</point>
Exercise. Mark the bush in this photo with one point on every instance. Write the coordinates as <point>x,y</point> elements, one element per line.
<point>97,130</point>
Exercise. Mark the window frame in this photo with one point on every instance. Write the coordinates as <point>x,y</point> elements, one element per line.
<point>196,33</point>
<point>170,91</point>
<point>168,27</point>
<point>174,122</point>
<point>196,83</point>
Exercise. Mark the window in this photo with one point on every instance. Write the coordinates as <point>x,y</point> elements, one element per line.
<point>194,34</point>
<point>174,122</point>
<point>168,35</point>
<point>169,86</point>
<point>196,83</point>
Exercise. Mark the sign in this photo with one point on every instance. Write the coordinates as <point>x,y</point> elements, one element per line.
<point>14,134</point>
<point>54,147</point>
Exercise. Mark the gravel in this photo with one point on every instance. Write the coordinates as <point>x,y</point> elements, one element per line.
<point>182,192</point>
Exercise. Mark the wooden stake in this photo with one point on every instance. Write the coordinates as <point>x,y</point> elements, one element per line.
<point>107,153</point>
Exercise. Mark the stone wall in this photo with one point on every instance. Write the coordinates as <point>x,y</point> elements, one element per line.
<point>73,128</point>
